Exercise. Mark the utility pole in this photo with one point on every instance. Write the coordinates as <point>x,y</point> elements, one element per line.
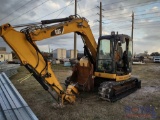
<point>49,49</point>
<point>100,20</point>
<point>75,37</point>
<point>132,30</point>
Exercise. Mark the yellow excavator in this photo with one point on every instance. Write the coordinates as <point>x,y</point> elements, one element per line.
<point>107,66</point>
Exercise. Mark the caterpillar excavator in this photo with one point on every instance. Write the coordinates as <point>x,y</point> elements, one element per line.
<point>107,65</point>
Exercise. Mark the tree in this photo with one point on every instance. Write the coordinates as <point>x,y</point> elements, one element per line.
<point>155,54</point>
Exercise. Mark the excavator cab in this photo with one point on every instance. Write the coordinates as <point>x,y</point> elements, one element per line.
<point>114,54</point>
<point>114,66</point>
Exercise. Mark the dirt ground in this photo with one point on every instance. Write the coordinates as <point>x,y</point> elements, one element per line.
<point>142,104</point>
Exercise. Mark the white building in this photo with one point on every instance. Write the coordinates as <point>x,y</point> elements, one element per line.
<point>70,54</point>
<point>4,56</point>
<point>59,53</point>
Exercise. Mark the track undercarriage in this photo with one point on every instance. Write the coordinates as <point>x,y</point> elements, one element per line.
<point>107,89</point>
<point>112,90</point>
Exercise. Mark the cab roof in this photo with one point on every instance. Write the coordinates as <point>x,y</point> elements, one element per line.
<point>111,36</point>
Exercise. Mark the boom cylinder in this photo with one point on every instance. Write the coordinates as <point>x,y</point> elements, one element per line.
<point>44,22</point>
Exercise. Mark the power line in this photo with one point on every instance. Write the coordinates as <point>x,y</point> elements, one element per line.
<point>147,13</point>
<point>91,15</point>
<point>147,22</point>
<point>125,17</point>
<point>133,5</point>
<point>144,24</point>
<point>116,15</point>
<point>122,26</point>
<point>113,22</point>
<point>56,11</point>
<point>130,6</point>
<point>135,15</point>
<point>102,5</point>
<point>29,10</point>
<point>146,18</point>
<point>122,13</point>
<point>79,8</point>
<point>115,2</point>
<point>147,26</point>
<point>124,20</point>
<point>118,21</point>
<point>15,10</point>
<point>88,10</point>
<point>125,13</point>
<point>119,17</point>
<point>64,9</point>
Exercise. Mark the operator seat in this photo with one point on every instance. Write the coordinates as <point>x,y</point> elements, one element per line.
<point>120,56</point>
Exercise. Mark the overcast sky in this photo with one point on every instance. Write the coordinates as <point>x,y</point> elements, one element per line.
<point>116,17</point>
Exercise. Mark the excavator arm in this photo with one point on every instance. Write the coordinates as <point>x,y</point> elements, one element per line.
<point>23,43</point>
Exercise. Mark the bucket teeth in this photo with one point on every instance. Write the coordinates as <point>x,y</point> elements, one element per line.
<point>112,90</point>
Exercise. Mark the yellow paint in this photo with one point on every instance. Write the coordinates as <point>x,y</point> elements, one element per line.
<point>124,77</point>
<point>112,76</point>
<point>28,55</point>
<point>105,75</point>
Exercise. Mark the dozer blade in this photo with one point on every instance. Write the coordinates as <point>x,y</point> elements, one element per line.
<point>113,91</point>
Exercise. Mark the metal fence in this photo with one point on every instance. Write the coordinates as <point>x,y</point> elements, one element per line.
<point>12,105</point>
<point>9,69</point>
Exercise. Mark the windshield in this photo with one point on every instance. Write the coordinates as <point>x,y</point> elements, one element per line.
<point>104,49</point>
<point>104,55</point>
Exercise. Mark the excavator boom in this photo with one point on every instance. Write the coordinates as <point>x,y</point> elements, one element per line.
<point>23,43</point>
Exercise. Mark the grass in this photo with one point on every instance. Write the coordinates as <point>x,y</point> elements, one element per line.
<point>88,106</point>
<point>60,67</point>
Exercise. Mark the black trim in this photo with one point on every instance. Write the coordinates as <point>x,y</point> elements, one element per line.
<point>56,20</point>
<point>37,76</point>
<point>86,51</point>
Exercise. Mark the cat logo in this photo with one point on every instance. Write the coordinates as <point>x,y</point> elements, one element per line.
<point>57,31</point>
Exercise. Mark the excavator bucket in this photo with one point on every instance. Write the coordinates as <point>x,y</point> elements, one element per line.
<point>113,91</point>
<point>82,76</point>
